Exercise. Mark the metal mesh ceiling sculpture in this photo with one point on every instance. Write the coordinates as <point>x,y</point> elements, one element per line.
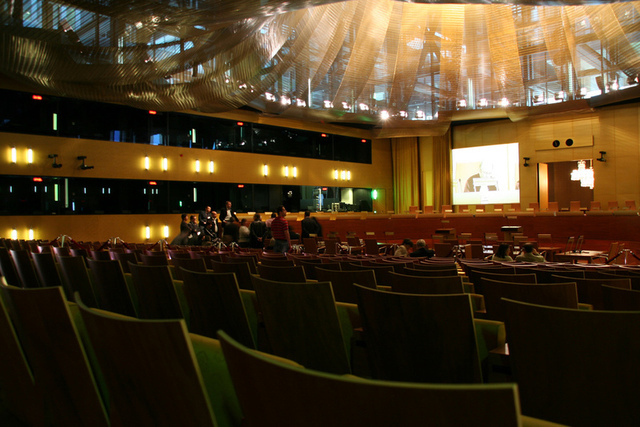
<point>346,61</point>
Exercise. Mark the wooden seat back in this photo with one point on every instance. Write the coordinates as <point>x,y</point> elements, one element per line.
<point>55,353</point>
<point>342,282</point>
<point>315,399</point>
<point>410,284</point>
<point>301,321</point>
<point>139,361</point>
<point>215,304</point>
<point>25,269</point>
<point>110,287</point>
<point>575,367</point>
<point>590,290</point>
<point>419,338</point>
<point>555,295</point>
<point>284,274</point>
<point>155,293</point>
<point>76,279</point>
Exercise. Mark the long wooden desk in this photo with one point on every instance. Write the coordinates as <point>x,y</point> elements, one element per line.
<point>575,257</point>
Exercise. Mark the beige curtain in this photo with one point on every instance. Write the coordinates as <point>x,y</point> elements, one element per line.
<point>442,170</point>
<point>406,174</point>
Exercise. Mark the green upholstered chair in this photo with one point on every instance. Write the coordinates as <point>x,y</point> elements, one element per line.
<point>420,338</point>
<point>215,304</point>
<point>292,274</point>
<point>278,392</point>
<point>302,323</point>
<point>19,394</point>
<point>56,355</point>
<point>158,374</point>
<point>342,282</point>
<point>590,290</point>
<point>155,293</point>
<point>75,278</point>
<point>575,367</point>
<point>550,294</point>
<point>110,286</point>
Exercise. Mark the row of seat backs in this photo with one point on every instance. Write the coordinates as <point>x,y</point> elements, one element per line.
<point>145,388</point>
<point>529,319</point>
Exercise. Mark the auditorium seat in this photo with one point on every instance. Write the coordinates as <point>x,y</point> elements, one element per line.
<point>575,367</point>
<point>158,374</point>
<point>313,399</point>
<point>215,304</point>
<point>302,324</point>
<point>155,294</point>
<point>419,338</point>
<point>58,360</point>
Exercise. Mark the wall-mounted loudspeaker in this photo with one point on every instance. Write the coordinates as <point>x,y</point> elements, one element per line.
<point>569,142</point>
<point>556,143</point>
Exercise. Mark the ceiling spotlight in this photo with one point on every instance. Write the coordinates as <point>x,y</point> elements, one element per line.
<point>345,105</point>
<point>270,97</point>
<point>285,100</point>
<point>384,114</point>
<point>483,102</point>
<point>632,80</point>
<point>327,104</point>
<point>301,102</point>
<point>504,102</point>
<point>462,103</point>
<point>420,114</point>
<point>363,107</point>
<point>614,85</point>
<point>560,96</point>
<point>403,114</point>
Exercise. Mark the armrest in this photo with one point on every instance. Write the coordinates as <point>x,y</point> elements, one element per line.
<point>489,335</point>
<point>536,422</point>
<point>250,302</point>
<point>178,285</point>
<point>349,320</point>
<point>469,288</point>
<point>584,306</point>
<point>477,301</point>
<point>217,381</point>
<point>384,288</point>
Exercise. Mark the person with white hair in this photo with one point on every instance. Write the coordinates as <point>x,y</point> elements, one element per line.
<point>422,250</point>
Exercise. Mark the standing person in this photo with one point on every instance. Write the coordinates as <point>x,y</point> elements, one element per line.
<point>310,225</point>
<point>280,231</point>
<point>183,237</point>
<point>256,232</point>
<point>231,232</point>
<point>226,214</point>
<point>243,234</point>
<point>217,226</point>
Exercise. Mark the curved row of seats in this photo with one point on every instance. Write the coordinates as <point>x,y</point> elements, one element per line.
<point>411,336</point>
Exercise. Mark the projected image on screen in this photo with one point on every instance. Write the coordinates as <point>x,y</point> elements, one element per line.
<point>486,175</point>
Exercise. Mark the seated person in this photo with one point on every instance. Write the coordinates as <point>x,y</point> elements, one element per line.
<point>502,254</point>
<point>529,254</point>
<point>403,249</point>
<point>421,250</point>
<point>231,232</point>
